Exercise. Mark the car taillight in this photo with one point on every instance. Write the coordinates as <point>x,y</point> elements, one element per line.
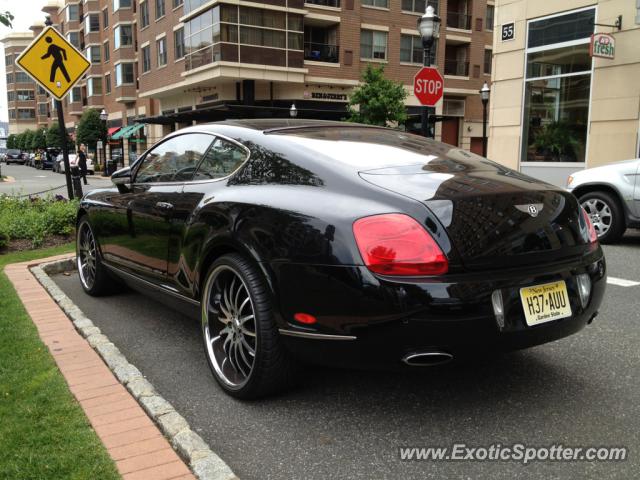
<point>395,244</point>
<point>593,235</point>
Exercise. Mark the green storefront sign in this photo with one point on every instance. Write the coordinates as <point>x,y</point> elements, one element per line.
<point>603,45</point>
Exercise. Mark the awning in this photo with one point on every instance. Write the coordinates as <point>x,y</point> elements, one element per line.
<point>127,131</point>
<point>113,130</point>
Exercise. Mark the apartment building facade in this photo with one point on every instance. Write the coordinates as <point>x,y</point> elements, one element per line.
<point>170,63</point>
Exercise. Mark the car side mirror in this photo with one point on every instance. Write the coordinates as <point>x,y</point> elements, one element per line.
<point>122,179</point>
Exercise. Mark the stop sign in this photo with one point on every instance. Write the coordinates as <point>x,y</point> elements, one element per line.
<point>428,86</point>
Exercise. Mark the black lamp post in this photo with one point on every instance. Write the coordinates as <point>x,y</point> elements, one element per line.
<point>104,116</point>
<point>485,91</point>
<point>293,111</point>
<point>429,27</point>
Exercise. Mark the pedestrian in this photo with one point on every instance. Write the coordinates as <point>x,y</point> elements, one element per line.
<point>82,162</point>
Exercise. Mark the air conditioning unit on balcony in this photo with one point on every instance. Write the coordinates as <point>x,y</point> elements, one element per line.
<point>453,107</point>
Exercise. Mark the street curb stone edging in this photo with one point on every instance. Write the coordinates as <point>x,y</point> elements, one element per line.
<point>204,463</point>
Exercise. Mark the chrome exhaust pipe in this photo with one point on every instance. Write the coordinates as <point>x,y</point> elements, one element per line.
<point>427,359</point>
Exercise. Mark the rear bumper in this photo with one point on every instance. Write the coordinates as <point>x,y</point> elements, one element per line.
<point>374,322</point>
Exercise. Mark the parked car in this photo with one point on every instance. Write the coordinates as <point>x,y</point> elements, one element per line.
<point>49,158</point>
<point>341,244</point>
<point>73,161</point>
<point>610,194</point>
<point>14,156</point>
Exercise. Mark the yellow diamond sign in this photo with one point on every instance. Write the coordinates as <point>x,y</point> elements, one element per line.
<point>53,62</point>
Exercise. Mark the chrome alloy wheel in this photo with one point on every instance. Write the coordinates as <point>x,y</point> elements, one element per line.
<point>600,214</point>
<point>86,256</point>
<point>229,328</point>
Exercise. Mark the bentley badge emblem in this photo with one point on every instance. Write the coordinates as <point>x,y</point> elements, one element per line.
<point>532,209</point>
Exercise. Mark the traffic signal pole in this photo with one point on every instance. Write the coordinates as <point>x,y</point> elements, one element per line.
<point>65,149</point>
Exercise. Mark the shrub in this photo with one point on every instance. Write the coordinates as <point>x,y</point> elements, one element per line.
<point>36,218</point>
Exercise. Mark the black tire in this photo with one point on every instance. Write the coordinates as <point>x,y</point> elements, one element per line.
<point>604,201</point>
<point>99,282</point>
<point>272,370</point>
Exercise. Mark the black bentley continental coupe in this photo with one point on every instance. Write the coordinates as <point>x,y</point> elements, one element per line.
<point>340,244</point>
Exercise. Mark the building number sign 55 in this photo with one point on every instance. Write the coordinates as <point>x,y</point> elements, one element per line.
<point>508,31</point>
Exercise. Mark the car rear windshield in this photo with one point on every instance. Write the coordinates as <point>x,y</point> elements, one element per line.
<point>13,152</point>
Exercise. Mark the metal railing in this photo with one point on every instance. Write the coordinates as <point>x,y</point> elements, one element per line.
<point>321,52</point>
<point>324,3</point>
<point>456,67</point>
<point>459,20</point>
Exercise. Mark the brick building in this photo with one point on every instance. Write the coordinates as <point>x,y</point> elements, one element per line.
<point>169,63</point>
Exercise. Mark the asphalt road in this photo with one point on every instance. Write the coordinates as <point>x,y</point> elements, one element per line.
<point>580,391</point>
<point>28,180</point>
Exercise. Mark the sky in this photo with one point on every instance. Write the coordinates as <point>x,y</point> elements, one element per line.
<point>26,12</point>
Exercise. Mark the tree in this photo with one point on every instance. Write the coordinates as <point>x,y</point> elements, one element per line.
<point>380,101</point>
<point>6,18</point>
<point>27,137</point>
<point>39,139</point>
<point>90,128</point>
<point>53,137</point>
<point>12,141</point>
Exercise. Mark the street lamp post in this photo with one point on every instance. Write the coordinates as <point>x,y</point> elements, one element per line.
<point>485,91</point>
<point>104,116</point>
<point>293,111</point>
<point>429,27</point>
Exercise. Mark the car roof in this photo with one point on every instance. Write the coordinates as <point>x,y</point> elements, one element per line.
<point>276,124</point>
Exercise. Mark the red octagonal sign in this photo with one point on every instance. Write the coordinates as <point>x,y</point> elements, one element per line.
<point>428,86</point>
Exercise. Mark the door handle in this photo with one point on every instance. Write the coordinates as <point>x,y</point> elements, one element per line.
<point>164,206</point>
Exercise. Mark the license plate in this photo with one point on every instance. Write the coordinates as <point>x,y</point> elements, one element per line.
<point>544,303</point>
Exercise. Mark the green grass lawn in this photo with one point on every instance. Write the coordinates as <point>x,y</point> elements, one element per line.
<point>44,433</point>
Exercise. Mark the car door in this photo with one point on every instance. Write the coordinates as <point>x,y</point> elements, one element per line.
<point>209,182</point>
<point>156,188</point>
<point>636,193</point>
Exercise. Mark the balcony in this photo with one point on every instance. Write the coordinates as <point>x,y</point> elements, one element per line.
<point>456,68</point>
<point>324,3</point>
<point>321,52</point>
<point>461,21</point>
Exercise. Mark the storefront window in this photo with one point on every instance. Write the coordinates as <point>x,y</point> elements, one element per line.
<point>557,88</point>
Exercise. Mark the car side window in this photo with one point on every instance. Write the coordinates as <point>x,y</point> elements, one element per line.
<point>222,159</point>
<point>174,160</point>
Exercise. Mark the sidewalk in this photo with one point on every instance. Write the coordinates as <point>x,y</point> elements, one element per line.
<point>135,443</point>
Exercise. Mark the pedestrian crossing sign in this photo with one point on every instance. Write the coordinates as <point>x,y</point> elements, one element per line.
<point>53,62</point>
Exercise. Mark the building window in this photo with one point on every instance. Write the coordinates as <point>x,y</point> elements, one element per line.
<point>41,91</point>
<point>105,18</point>
<point>74,39</point>
<point>373,45</point>
<point>11,96</point>
<point>75,95</point>
<point>94,86</point>
<point>26,113</point>
<point>418,6</point>
<point>411,50</point>
<point>42,109</point>
<point>107,51</point>
<point>123,36</point>
<point>488,54</point>
<point>557,88</point>
<point>91,23</point>
<point>107,83</point>
<point>9,78</point>
<point>161,48</point>
<point>178,42</point>
<point>25,95</point>
<point>376,3</point>
<point>93,54</point>
<point>146,59</point>
<point>8,60</point>
<point>73,13</point>
<point>144,14</point>
<point>118,4</point>
<point>12,114</point>
<point>491,10</point>
<point>159,9</point>
<point>177,3</point>
<point>22,77</point>
<point>124,74</point>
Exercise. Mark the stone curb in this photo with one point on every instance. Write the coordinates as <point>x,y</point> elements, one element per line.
<point>204,463</point>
